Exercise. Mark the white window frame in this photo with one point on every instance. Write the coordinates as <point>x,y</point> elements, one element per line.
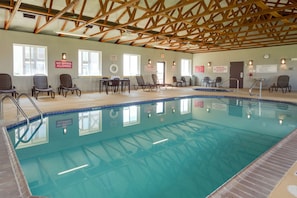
<point>130,66</point>
<point>131,115</point>
<point>93,67</point>
<point>90,122</point>
<point>185,106</point>
<point>186,67</point>
<point>29,63</point>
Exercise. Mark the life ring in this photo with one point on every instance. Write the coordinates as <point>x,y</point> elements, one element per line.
<point>113,68</point>
<point>113,114</point>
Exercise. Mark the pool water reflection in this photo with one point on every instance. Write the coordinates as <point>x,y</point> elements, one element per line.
<point>184,147</point>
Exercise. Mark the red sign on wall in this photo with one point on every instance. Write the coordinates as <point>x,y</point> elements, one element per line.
<point>199,69</point>
<point>63,64</point>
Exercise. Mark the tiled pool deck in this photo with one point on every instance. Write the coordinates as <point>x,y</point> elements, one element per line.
<point>257,180</point>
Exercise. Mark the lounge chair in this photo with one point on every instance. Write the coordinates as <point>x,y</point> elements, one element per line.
<point>157,84</point>
<point>66,85</point>
<point>207,82</point>
<point>184,81</point>
<point>40,84</point>
<point>218,82</point>
<point>282,83</point>
<point>141,83</point>
<point>156,81</point>
<point>6,85</point>
<point>176,82</point>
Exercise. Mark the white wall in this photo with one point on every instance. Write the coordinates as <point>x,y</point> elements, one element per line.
<point>57,45</point>
<point>224,59</point>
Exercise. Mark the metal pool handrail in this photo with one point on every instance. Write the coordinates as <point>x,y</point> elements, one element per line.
<point>32,102</point>
<point>20,110</point>
<point>237,83</point>
<point>256,80</point>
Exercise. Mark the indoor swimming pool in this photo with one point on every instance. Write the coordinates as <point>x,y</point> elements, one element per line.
<point>173,148</point>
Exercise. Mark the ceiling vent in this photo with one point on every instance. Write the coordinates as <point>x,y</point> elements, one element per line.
<point>30,16</point>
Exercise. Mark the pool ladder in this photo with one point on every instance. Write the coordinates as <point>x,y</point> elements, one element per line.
<point>16,102</point>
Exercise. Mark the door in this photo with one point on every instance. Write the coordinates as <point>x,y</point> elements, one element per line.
<point>161,72</point>
<point>236,74</point>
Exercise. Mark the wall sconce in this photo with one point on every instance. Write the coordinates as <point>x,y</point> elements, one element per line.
<point>149,62</point>
<point>149,115</point>
<point>251,62</point>
<point>64,131</point>
<point>173,63</point>
<point>283,65</point>
<point>280,121</point>
<point>63,56</point>
<point>209,64</point>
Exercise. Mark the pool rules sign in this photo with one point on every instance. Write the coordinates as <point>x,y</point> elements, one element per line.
<point>63,64</point>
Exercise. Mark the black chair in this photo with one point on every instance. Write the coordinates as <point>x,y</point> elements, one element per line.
<point>141,83</point>
<point>40,85</point>
<point>218,82</point>
<point>114,85</point>
<point>176,82</point>
<point>66,85</point>
<point>105,83</point>
<point>6,85</point>
<point>283,83</point>
<point>156,81</point>
<point>125,84</point>
<point>206,81</point>
<point>184,81</point>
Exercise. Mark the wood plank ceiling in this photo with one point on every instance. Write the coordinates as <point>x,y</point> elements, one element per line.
<point>192,26</point>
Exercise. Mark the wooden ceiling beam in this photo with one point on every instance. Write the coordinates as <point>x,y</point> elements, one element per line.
<point>105,14</point>
<point>151,14</point>
<point>57,16</point>
<point>12,14</point>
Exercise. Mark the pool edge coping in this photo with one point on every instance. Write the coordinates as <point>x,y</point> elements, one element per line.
<point>233,182</point>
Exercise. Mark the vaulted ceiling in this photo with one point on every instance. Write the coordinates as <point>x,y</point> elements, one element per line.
<point>192,26</point>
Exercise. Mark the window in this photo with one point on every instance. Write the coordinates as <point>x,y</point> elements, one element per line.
<point>185,106</point>
<point>29,60</point>
<point>186,67</point>
<point>131,115</point>
<point>131,65</point>
<point>89,63</point>
<point>90,122</point>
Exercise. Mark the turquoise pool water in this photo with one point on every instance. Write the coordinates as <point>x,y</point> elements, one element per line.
<point>182,147</point>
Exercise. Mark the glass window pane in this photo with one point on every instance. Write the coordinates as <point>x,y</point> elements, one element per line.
<point>131,65</point>
<point>186,67</point>
<point>89,63</point>
<point>29,60</point>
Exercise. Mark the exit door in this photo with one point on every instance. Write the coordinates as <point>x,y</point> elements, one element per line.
<point>161,72</point>
<point>236,74</point>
